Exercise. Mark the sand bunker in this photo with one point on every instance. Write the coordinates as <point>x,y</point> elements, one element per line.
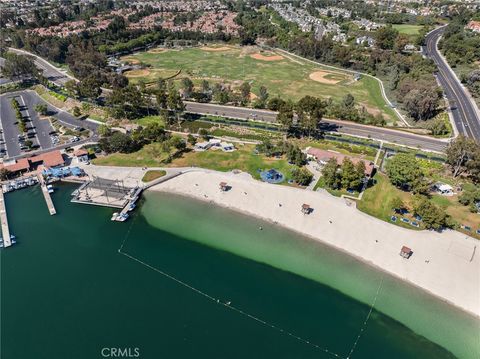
<point>261,57</point>
<point>320,76</point>
<point>223,48</point>
<point>132,61</point>
<point>137,73</point>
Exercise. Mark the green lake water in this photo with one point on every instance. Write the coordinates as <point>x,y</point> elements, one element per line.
<point>67,291</point>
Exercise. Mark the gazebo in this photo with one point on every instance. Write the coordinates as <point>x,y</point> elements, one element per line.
<point>306,209</point>
<point>406,252</point>
<point>223,186</point>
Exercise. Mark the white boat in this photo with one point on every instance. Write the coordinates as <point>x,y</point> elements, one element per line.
<point>114,216</point>
<point>49,186</point>
<point>122,217</point>
<point>132,207</point>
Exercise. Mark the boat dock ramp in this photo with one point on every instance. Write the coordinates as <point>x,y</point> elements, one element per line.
<point>47,190</point>
<point>7,238</point>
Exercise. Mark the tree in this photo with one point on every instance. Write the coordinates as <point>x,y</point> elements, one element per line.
<point>302,176</point>
<point>460,155</point>
<point>76,111</point>
<point>285,117</point>
<point>191,139</point>
<point>330,174</point>
<point>4,174</point>
<point>41,108</point>
<point>349,175</point>
<point>397,204</point>
<point>178,143</point>
<point>404,172</point>
<point>385,37</point>
<point>161,94</point>
<point>71,88</point>
<point>310,112</point>
<point>275,104</point>
<point>205,86</point>
<point>19,67</point>
<point>295,155</point>
<point>90,87</point>
<point>117,142</point>
<point>187,87</point>
<point>421,103</point>
<point>348,101</point>
<point>263,94</point>
<point>432,216</point>
<point>103,130</point>
<point>245,90</point>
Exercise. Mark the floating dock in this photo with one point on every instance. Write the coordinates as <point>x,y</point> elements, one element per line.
<point>7,242</point>
<point>46,194</point>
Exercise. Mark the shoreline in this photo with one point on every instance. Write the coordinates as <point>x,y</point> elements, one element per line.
<point>329,245</point>
<point>178,186</point>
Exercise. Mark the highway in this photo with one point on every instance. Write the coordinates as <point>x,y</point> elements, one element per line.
<point>334,126</point>
<point>463,108</point>
<point>242,113</point>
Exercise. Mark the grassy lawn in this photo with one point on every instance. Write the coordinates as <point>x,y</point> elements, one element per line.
<point>153,174</point>
<point>376,200</point>
<point>242,159</point>
<point>283,77</point>
<point>147,120</point>
<point>411,30</point>
<point>149,156</point>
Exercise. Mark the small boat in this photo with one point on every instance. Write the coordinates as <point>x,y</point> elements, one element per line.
<point>132,207</point>
<point>51,190</point>
<point>122,217</point>
<point>114,216</point>
<point>49,186</point>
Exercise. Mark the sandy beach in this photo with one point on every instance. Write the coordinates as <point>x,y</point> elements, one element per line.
<point>444,264</point>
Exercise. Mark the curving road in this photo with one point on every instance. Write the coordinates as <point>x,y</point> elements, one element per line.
<point>463,108</point>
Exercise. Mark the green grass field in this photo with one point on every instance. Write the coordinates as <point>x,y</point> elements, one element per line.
<point>408,29</point>
<point>282,76</point>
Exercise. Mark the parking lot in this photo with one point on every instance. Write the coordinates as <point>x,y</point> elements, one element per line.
<point>39,131</point>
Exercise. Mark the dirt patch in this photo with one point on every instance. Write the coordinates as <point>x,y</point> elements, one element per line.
<point>137,73</point>
<point>157,51</point>
<point>223,48</point>
<point>321,76</point>
<point>132,61</point>
<point>261,57</point>
<point>253,96</point>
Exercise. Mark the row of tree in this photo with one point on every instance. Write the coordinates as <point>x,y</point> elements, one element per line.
<point>346,175</point>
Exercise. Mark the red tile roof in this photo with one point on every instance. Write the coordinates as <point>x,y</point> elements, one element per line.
<point>49,159</point>
<point>20,165</point>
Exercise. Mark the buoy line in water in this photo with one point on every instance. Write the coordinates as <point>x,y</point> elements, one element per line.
<point>364,325</point>
<point>248,315</point>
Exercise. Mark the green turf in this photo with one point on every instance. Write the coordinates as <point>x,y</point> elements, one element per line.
<point>286,78</point>
<point>408,29</point>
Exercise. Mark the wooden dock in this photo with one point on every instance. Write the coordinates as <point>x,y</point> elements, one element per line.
<point>48,199</point>
<point>3,216</point>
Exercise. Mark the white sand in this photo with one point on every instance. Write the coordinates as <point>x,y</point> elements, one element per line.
<point>450,274</point>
